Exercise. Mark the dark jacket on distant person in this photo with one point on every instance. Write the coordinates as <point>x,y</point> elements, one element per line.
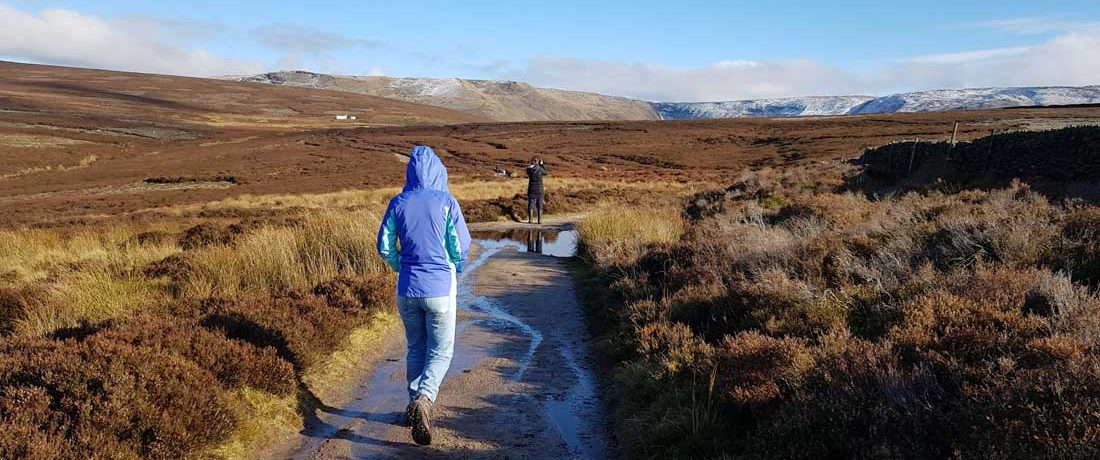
<point>534,178</point>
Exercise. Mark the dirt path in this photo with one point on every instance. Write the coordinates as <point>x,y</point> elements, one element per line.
<point>520,385</point>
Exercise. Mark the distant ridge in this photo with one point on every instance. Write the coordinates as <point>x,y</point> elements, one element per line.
<point>496,100</point>
<point>519,101</point>
<point>920,101</point>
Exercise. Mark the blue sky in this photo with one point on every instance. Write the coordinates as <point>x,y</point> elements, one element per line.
<point>683,50</point>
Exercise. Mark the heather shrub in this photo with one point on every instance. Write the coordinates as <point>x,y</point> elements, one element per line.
<point>1077,251</point>
<point>302,328</point>
<point>207,234</point>
<point>234,363</point>
<point>14,304</point>
<point>72,398</point>
<point>790,321</point>
<point>753,368</point>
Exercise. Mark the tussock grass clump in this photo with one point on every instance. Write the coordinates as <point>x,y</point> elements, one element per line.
<point>277,260</point>
<point>88,296</point>
<point>829,325</point>
<point>30,256</point>
<point>86,275</point>
<point>620,233</point>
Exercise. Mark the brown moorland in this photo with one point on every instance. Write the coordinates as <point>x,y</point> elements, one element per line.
<point>83,143</point>
<point>209,247</point>
<point>792,314</point>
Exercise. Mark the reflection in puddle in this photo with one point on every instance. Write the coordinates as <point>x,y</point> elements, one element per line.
<point>551,242</point>
<point>572,412</point>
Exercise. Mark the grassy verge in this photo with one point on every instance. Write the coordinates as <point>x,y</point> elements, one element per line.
<point>790,321</point>
<point>155,342</point>
<point>268,418</point>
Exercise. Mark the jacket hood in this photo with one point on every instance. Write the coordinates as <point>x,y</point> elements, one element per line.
<point>425,170</point>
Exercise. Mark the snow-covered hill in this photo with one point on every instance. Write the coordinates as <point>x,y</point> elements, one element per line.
<point>980,98</point>
<point>497,100</point>
<point>519,101</point>
<point>921,101</point>
<point>785,107</point>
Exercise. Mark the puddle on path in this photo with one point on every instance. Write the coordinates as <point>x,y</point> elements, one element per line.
<point>572,413</point>
<point>550,242</point>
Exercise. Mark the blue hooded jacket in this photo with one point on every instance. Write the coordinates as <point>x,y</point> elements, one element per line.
<point>428,222</point>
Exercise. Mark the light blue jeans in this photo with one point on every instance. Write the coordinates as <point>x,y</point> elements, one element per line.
<point>430,335</point>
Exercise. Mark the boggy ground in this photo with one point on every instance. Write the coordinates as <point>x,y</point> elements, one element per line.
<point>521,384</point>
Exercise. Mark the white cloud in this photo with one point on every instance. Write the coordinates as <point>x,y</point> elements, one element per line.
<point>1070,58</point>
<point>60,36</point>
<point>724,80</point>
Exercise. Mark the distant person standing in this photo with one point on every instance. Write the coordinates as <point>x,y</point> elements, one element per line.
<point>535,200</point>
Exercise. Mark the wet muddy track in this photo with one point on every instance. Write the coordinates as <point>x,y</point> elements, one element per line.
<point>520,384</point>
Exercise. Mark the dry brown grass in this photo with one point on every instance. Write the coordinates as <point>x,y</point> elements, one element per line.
<point>466,191</point>
<point>87,276</point>
<point>622,233</point>
<point>277,260</point>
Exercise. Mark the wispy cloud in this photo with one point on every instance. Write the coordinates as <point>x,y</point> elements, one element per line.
<point>61,36</point>
<point>297,42</point>
<point>170,29</point>
<point>967,56</point>
<point>1035,25</point>
<point>301,39</point>
<point>302,45</point>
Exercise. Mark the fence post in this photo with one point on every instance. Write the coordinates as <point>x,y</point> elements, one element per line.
<point>913,154</point>
<point>954,134</point>
<point>989,154</point>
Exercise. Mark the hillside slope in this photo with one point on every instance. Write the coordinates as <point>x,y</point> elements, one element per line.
<point>53,92</point>
<point>496,100</point>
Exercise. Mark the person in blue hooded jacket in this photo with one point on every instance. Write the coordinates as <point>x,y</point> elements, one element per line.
<point>424,238</point>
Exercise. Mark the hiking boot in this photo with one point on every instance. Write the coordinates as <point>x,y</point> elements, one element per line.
<point>421,420</point>
<point>407,420</point>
